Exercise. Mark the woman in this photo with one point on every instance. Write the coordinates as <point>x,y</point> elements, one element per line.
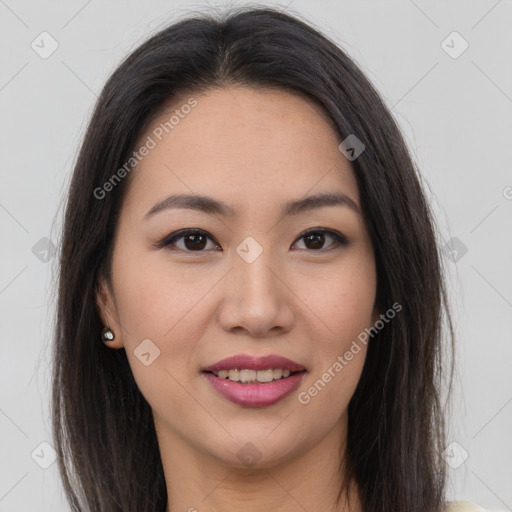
<point>250,290</point>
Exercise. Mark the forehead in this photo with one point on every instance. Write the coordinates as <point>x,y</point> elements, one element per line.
<point>242,145</point>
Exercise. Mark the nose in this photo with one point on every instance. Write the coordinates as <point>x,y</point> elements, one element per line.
<point>257,299</point>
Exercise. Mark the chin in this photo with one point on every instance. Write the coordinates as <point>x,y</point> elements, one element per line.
<point>254,451</point>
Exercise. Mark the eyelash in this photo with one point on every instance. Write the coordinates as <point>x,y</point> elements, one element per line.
<point>340,240</point>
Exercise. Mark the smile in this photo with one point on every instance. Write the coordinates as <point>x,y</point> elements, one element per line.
<point>250,376</point>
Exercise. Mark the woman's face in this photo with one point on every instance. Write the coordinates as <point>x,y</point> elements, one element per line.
<point>254,284</point>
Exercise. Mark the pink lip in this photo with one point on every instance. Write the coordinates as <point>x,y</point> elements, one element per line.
<point>257,394</point>
<point>248,362</point>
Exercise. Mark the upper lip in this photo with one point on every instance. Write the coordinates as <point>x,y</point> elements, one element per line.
<point>248,362</point>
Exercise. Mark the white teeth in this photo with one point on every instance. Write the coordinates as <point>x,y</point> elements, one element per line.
<point>234,375</point>
<point>250,376</point>
<point>265,375</point>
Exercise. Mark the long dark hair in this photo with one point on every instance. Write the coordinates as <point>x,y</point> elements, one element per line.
<point>103,429</point>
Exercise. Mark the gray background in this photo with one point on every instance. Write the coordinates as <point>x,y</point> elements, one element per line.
<point>455,113</point>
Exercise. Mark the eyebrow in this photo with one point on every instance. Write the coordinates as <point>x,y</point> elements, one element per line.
<point>212,206</point>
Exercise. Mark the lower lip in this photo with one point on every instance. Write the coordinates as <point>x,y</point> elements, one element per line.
<point>258,394</point>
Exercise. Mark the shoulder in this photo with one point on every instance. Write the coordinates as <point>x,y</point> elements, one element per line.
<point>463,506</point>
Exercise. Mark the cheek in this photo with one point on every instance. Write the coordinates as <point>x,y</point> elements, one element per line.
<point>339,354</point>
<point>342,311</point>
<point>159,303</point>
<point>156,296</point>
<point>348,313</point>
<point>340,304</point>
<point>161,316</point>
<point>327,393</point>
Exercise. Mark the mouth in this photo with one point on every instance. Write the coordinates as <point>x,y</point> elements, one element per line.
<point>254,381</point>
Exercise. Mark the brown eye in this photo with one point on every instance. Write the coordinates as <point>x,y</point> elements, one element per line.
<point>193,241</point>
<point>315,239</point>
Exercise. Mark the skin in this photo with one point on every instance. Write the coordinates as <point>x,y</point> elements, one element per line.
<point>254,150</point>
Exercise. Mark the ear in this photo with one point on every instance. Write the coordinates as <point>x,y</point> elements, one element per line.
<point>108,312</point>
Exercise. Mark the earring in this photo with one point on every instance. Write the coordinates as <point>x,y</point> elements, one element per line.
<point>107,335</point>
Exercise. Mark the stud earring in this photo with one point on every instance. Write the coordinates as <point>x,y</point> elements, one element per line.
<point>107,335</point>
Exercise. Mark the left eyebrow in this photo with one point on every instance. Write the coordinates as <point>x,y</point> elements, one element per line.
<point>214,207</point>
<point>319,201</point>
